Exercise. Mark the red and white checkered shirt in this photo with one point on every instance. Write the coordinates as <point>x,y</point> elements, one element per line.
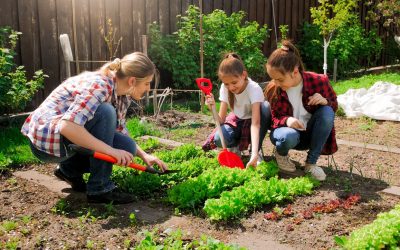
<point>75,100</point>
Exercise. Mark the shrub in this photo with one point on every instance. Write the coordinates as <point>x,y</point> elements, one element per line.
<point>179,53</point>
<point>15,89</point>
<point>351,44</point>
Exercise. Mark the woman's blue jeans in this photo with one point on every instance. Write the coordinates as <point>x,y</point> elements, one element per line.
<point>318,129</point>
<point>103,127</point>
<point>232,135</point>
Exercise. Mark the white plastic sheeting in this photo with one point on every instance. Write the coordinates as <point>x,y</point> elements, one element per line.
<point>380,102</point>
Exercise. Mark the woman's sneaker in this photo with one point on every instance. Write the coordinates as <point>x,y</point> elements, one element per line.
<point>284,163</point>
<point>77,183</point>
<point>317,172</point>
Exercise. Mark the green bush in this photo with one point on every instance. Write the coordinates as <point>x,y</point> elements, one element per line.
<point>15,89</point>
<point>179,53</point>
<point>352,46</point>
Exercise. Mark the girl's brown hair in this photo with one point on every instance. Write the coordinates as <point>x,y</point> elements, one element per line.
<point>135,64</point>
<point>231,64</point>
<point>283,59</point>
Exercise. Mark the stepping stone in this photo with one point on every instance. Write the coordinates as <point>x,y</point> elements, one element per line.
<point>163,141</point>
<point>369,146</point>
<point>393,190</point>
<point>50,182</point>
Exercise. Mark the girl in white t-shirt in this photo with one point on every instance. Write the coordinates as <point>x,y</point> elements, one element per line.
<point>250,118</point>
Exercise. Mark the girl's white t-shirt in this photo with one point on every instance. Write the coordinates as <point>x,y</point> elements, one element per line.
<point>295,95</point>
<point>243,101</point>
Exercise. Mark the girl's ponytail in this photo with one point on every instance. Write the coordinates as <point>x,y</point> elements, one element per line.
<point>286,58</point>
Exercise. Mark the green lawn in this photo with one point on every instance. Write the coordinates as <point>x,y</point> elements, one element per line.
<point>365,82</point>
<point>14,148</point>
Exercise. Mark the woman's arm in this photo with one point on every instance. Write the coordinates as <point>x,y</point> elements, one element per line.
<point>79,135</point>
<point>150,159</point>
<point>255,133</point>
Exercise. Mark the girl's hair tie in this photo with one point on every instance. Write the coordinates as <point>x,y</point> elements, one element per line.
<point>115,65</point>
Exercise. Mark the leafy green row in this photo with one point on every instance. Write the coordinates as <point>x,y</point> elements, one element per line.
<point>382,233</point>
<point>255,193</point>
<point>175,241</point>
<point>212,182</point>
<point>190,160</point>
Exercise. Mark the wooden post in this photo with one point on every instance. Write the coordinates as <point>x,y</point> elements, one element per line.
<point>67,52</point>
<point>334,70</point>
<point>202,99</point>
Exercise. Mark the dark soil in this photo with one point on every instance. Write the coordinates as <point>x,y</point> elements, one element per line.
<point>80,225</point>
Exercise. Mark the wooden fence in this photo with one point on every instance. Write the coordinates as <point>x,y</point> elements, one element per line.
<point>42,21</point>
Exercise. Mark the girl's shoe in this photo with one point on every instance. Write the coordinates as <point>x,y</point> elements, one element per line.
<point>317,172</point>
<point>284,163</point>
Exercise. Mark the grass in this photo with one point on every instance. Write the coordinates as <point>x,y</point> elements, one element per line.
<point>365,82</point>
<point>14,149</point>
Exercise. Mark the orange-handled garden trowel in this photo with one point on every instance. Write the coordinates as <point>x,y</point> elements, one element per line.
<point>225,158</point>
<point>108,158</point>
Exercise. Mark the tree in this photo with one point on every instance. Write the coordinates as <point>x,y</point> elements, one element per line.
<point>388,12</point>
<point>331,16</point>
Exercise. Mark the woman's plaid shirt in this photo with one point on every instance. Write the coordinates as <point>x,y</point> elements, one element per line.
<point>313,83</point>
<point>75,100</point>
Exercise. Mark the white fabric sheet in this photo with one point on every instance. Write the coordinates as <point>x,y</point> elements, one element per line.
<point>380,102</point>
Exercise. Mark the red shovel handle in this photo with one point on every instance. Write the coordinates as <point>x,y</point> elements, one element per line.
<point>205,85</point>
<point>107,158</point>
<point>111,159</point>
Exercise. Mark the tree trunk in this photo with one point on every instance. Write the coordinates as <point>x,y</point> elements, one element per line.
<point>325,66</point>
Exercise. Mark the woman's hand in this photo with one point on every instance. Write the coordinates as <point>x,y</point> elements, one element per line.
<point>292,122</point>
<point>124,158</point>
<point>151,160</point>
<point>317,99</point>
<point>253,161</point>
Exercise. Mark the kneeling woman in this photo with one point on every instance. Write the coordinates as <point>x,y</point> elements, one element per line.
<point>303,106</point>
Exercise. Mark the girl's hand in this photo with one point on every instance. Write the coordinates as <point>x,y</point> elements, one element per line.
<point>210,100</point>
<point>292,122</point>
<point>253,161</point>
<point>317,99</point>
<point>151,160</point>
<point>123,157</point>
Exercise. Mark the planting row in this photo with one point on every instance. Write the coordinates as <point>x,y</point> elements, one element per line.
<point>212,182</point>
<point>382,233</point>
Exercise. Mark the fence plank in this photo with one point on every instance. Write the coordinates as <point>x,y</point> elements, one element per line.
<point>30,43</point>
<point>295,20</point>
<point>175,9</point>
<point>207,6</point>
<point>260,11</point>
<point>164,12</point>
<point>49,43</point>
<point>227,6</point>
<point>125,22</point>
<point>152,11</point>
<point>218,4</point>
<point>139,22</point>
<point>270,25</point>
<point>113,13</point>
<point>235,5</point>
<point>64,26</point>
<point>97,23</point>
<point>252,10</point>
<point>185,6</point>
<point>9,17</point>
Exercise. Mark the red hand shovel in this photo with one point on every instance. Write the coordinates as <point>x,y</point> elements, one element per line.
<point>111,159</point>
<point>225,158</point>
